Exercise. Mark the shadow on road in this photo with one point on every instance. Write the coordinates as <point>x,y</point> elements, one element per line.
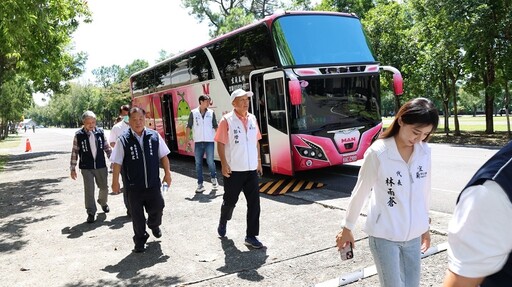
<point>25,195</point>
<point>244,263</point>
<point>25,161</point>
<point>79,229</point>
<point>11,233</point>
<point>204,198</point>
<point>129,267</point>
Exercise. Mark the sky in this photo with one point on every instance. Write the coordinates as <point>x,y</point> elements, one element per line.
<point>125,30</point>
<point>122,31</point>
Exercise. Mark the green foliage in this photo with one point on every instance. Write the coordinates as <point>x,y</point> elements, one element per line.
<point>358,7</point>
<point>35,41</point>
<point>35,52</point>
<point>237,18</point>
<point>15,97</point>
<point>224,16</point>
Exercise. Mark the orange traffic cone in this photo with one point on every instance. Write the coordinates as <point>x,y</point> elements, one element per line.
<point>27,146</point>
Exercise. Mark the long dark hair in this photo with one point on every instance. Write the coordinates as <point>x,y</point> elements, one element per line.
<point>418,111</point>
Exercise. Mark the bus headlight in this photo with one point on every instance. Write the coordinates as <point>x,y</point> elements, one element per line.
<point>313,153</point>
<point>311,150</point>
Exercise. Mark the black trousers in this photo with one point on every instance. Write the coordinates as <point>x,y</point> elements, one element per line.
<point>246,181</point>
<point>150,199</point>
<point>125,191</point>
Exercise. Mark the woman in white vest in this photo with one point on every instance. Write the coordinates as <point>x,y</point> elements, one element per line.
<point>238,147</point>
<point>203,123</point>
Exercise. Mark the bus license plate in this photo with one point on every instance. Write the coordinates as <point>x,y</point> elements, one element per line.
<point>350,158</point>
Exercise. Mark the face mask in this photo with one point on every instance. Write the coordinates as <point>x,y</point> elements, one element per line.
<point>126,119</point>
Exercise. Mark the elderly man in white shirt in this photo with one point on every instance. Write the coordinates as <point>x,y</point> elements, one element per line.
<point>117,130</point>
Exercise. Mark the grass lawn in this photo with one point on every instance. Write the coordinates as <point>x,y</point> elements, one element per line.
<point>10,142</point>
<point>466,123</point>
<point>472,131</point>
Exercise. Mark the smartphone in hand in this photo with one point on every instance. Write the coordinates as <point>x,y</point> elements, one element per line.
<point>347,252</point>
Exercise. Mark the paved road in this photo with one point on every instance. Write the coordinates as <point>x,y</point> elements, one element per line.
<point>45,242</point>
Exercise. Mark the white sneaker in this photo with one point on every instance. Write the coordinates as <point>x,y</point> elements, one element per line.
<point>215,184</point>
<point>200,188</point>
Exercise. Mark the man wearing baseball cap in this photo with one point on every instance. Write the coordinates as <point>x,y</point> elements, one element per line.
<point>237,139</point>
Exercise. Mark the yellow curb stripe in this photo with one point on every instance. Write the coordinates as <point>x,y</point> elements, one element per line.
<point>298,186</point>
<point>273,190</point>
<point>285,189</point>
<point>265,186</point>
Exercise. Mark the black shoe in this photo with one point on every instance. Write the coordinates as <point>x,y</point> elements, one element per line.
<point>90,218</point>
<point>221,229</point>
<point>105,208</point>
<point>157,232</point>
<point>140,246</point>
<point>253,242</point>
<point>138,249</point>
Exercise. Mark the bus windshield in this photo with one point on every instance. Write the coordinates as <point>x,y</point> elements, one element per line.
<point>336,103</point>
<point>320,39</point>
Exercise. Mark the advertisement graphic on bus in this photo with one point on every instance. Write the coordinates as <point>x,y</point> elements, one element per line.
<point>315,81</point>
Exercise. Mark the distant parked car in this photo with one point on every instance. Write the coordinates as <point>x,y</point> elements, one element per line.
<point>502,111</point>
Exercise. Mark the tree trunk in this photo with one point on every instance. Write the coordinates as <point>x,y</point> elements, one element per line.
<point>507,102</point>
<point>397,104</point>
<point>453,90</point>
<point>446,107</point>
<point>488,78</point>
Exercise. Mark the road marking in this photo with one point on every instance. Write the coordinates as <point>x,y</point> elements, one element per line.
<point>282,186</point>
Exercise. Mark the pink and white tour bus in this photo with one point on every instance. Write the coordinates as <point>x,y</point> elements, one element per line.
<point>316,88</point>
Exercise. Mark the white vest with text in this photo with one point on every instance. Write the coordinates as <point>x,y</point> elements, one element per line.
<point>202,128</point>
<point>242,147</point>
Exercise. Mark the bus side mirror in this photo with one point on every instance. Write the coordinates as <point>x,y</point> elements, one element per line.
<point>295,92</point>
<point>398,81</point>
<point>398,84</point>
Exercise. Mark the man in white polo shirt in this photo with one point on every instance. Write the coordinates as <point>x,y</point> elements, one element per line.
<point>117,130</point>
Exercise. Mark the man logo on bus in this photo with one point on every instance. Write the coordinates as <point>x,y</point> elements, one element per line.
<point>345,140</point>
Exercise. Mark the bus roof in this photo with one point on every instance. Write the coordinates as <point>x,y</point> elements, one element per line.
<point>268,20</point>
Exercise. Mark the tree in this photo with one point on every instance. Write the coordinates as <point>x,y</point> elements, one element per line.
<point>15,97</point>
<point>34,47</point>
<point>358,7</point>
<point>486,40</point>
<point>388,28</point>
<point>35,41</point>
<point>162,55</point>
<point>106,76</point>
<point>440,55</point>
<point>224,16</point>
<point>115,87</point>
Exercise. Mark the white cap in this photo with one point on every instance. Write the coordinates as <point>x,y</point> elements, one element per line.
<point>238,93</point>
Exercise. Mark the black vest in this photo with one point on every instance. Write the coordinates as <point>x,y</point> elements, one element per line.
<point>141,167</point>
<point>499,169</point>
<point>84,149</point>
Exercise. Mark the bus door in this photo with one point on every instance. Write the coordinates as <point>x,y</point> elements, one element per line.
<point>279,143</point>
<point>168,121</point>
